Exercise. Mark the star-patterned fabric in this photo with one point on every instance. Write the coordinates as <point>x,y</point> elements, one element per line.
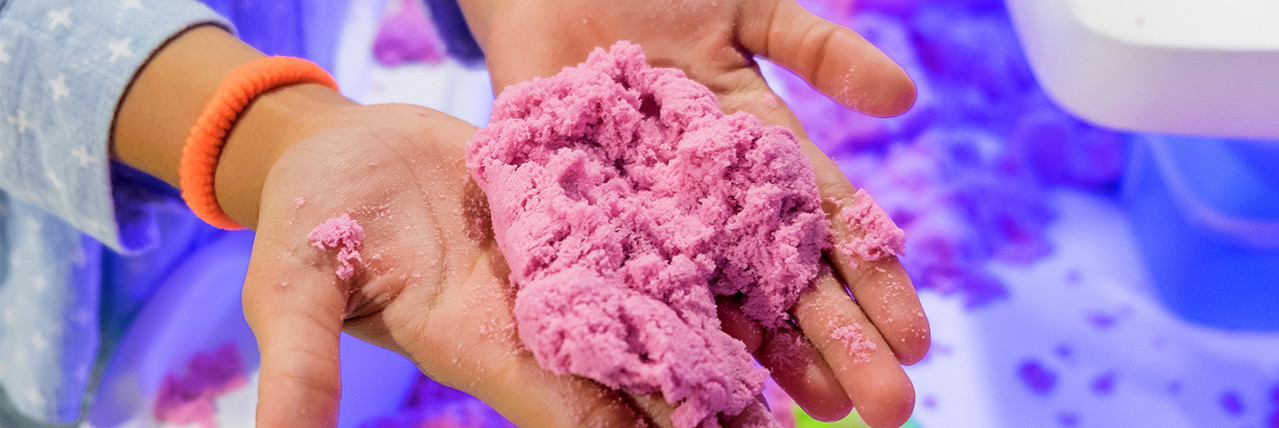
<point>64,65</point>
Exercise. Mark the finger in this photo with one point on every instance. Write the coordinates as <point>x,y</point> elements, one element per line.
<point>737,324</point>
<point>659,412</point>
<point>860,357</point>
<point>754,415</point>
<point>791,360</point>
<point>835,60</point>
<point>882,287</point>
<point>296,312</point>
<point>801,371</point>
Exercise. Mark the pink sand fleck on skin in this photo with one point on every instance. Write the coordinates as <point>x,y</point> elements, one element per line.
<point>343,234</point>
<point>624,201</point>
<point>880,235</point>
<point>769,100</point>
<point>855,342</point>
<point>298,202</point>
<point>788,351</point>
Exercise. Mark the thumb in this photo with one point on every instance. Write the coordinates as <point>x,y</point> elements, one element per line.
<point>296,313</point>
<point>834,59</point>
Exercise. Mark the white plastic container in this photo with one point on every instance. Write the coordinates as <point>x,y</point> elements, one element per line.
<point>1199,67</point>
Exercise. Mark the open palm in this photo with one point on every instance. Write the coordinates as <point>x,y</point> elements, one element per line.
<point>716,42</point>
<point>431,284</point>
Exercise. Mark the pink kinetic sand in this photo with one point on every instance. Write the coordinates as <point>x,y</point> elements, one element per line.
<point>770,101</point>
<point>624,200</point>
<point>881,237</point>
<point>855,342</point>
<point>345,235</point>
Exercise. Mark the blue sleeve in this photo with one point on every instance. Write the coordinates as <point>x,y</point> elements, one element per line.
<point>64,66</point>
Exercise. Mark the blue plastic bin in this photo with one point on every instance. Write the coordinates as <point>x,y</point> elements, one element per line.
<point>1206,217</point>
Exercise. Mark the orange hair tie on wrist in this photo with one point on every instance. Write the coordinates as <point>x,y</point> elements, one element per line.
<point>204,143</point>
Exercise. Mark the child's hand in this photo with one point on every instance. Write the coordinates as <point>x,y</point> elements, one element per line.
<point>714,42</point>
<point>431,284</point>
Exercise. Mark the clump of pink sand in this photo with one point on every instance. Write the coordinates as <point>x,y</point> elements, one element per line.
<point>881,236</point>
<point>343,234</point>
<point>624,200</point>
<point>857,344</point>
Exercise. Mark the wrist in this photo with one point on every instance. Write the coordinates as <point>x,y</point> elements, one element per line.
<point>166,97</point>
<point>275,121</point>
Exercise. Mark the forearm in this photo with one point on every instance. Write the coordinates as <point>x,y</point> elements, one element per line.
<point>170,93</point>
<point>479,14</point>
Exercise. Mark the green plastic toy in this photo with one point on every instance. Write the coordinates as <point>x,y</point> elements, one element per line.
<point>802,420</point>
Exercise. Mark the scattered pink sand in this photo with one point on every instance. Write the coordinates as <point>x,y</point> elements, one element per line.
<point>188,399</point>
<point>298,202</point>
<point>345,235</point>
<point>624,200</point>
<point>787,351</point>
<point>882,237</point>
<point>855,342</point>
<point>769,100</point>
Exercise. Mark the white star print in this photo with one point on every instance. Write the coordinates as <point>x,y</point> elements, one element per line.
<point>54,180</point>
<point>82,154</point>
<point>120,49</point>
<point>60,17</point>
<point>59,87</point>
<point>130,4</point>
<point>4,56</point>
<point>21,121</point>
